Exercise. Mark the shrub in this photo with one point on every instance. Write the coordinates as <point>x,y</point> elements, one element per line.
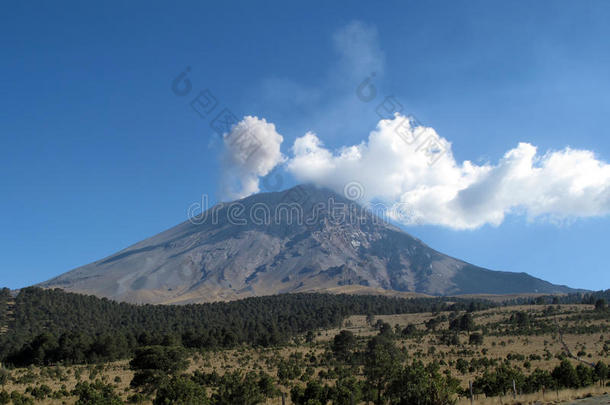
<point>153,364</point>
<point>288,370</point>
<point>381,363</point>
<point>343,345</point>
<point>409,330</point>
<point>20,399</point>
<point>565,375</point>
<point>461,365</point>
<point>423,385</point>
<point>499,382</point>
<point>347,391</point>
<point>314,394</point>
<point>600,305</point>
<point>475,339</point>
<point>41,392</point>
<point>96,393</point>
<point>4,377</point>
<point>236,388</point>
<point>180,390</point>
<point>463,323</point>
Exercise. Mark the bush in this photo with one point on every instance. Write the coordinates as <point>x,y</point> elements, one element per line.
<point>565,375</point>
<point>381,363</point>
<point>538,380</point>
<point>314,394</point>
<point>601,371</point>
<point>347,391</point>
<point>343,345</point>
<point>409,331</point>
<point>422,385</point>
<point>288,370</point>
<point>585,375</point>
<point>499,382</point>
<point>475,339</point>
<point>235,388</point>
<point>450,338</point>
<point>461,365</point>
<point>181,390</point>
<point>96,393</point>
<point>20,399</point>
<point>385,329</point>
<point>463,323</point>
<point>4,377</point>
<point>153,364</point>
<point>41,392</point>
<point>600,305</point>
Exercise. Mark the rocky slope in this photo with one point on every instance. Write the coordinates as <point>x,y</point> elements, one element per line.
<point>302,239</point>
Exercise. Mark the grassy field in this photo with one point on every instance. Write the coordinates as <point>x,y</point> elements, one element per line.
<point>579,324</point>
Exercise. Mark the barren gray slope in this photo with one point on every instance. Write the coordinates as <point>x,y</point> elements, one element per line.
<point>302,239</point>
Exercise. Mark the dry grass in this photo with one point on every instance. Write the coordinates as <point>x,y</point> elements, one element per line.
<point>425,348</point>
<point>550,397</point>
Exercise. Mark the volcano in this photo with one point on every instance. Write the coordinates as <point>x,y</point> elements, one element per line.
<point>304,239</point>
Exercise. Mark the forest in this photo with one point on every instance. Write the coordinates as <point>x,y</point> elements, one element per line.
<point>306,348</point>
<point>52,326</point>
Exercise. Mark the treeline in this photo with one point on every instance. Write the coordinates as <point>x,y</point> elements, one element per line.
<point>5,297</point>
<point>565,375</point>
<point>522,323</point>
<point>589,298</point>
<point>53,326</point>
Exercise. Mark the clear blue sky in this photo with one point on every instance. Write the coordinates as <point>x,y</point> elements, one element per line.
<point>97,153</point>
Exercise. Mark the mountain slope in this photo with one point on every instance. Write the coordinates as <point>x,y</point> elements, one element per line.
<point>302,239</point>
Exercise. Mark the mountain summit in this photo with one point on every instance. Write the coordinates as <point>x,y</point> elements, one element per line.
<point>297,240</point>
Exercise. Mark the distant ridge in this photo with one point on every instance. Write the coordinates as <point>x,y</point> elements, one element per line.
<point>298,240</point>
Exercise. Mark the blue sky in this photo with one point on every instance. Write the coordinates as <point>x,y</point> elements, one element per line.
<point>98,153</point>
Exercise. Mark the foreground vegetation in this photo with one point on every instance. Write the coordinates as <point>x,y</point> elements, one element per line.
<point>308,349</point>
<point>52,326</point>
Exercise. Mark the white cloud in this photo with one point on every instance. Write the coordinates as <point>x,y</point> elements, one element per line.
<point>560,185</point>
<point>251,150</point>
<point>394,168</point>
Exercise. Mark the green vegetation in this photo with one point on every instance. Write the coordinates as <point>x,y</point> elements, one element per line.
<point>181,390</point>
<point>153,364</point>
<point>96,393</point>
<point>53,326</point>
<point>396,351</point>
<point>5,299</point>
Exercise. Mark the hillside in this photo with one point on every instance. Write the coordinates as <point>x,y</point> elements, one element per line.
<point>300,240</point>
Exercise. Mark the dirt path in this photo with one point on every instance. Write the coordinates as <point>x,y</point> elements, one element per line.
<point>590,401</point>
